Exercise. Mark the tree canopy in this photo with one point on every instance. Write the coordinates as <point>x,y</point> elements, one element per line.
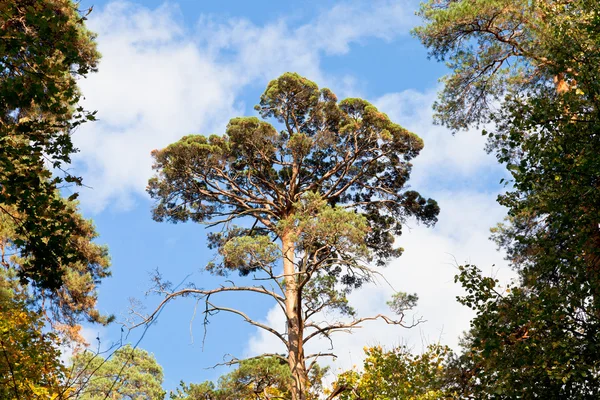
<point>74,301</point>
<point>258,379</point>
<point>129,374</point>
<point>325,195</point>
<point>44,48</point>
<point>50,263</point>
<point>529,69</point>
<point>262,378</point>
<point>30,365</point>
<point>396,374</point>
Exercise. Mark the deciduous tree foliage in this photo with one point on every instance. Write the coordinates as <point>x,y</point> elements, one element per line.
<point>30,366</point>
<point>395,374</point>
<point>44,48</point>
<point>529,68</point>
<point>324,195</point>
<point>517,346</point>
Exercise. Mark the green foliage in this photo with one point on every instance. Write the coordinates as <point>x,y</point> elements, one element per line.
<point>491,46</point>
<point>248,253</point>
<point>530,68</point>
<point>259,378</point>
<point>30,366</point>
<point>522,343</point>
<point>129,374</point>
<point>75,299</point>
<point>402,302</point>
<point>264,378</point>
<point>325,196</point>
<point>317,224</point>
<point>44,49</point>
<point>202,391</point>
<point>254,379</point>
<point>396,374</point>
<point>349,154</point>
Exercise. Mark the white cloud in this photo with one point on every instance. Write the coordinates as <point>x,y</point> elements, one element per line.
<point>346,23</point>
<point>445,158</point>
<point>153,87</point>
<point>262,51</point>
<point>159,81</point>
<point>92,336</point>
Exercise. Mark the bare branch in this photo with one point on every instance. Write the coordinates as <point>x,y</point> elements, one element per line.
<point>235,360</point>
<point>347,327</point>
<point>248,319</point>
<point>147,319</point>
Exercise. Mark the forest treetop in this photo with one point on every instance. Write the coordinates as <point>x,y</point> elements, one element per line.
<point>326,195</point>
<point>349,153</point>
<point>44,47</point>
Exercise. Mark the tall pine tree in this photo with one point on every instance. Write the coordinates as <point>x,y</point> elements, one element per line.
<point>318,202</point>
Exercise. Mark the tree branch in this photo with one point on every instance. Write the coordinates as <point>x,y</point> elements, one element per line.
<point>248,319</point>
<point>347,327</point>
<point>205,293</point>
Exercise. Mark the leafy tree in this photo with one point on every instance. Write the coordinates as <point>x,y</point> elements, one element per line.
<point>75,299</point>
<point>529,69</point>
<point>527,354</point>
<point>266,378</point>
<point>30,366</point>
<point>130,373</point>
<point>324,196</point>
<point>44,49</point>
<point>395,374</point>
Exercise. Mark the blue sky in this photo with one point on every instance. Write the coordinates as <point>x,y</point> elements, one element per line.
<point>171,69</point>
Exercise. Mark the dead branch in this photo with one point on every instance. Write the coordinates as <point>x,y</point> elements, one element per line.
<point>349,326</point>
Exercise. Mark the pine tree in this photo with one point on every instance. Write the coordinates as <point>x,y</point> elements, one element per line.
<point>324,198</point>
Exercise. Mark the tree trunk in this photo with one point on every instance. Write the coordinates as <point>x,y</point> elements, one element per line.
<point>295,328</point>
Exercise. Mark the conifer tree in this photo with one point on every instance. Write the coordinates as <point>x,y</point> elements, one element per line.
<point>318,203</point>
<point>128,374</point>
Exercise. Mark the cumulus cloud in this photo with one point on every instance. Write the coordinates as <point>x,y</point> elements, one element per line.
<point>446,160</point>
<point>159,80</point>
<point>153,87</point>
